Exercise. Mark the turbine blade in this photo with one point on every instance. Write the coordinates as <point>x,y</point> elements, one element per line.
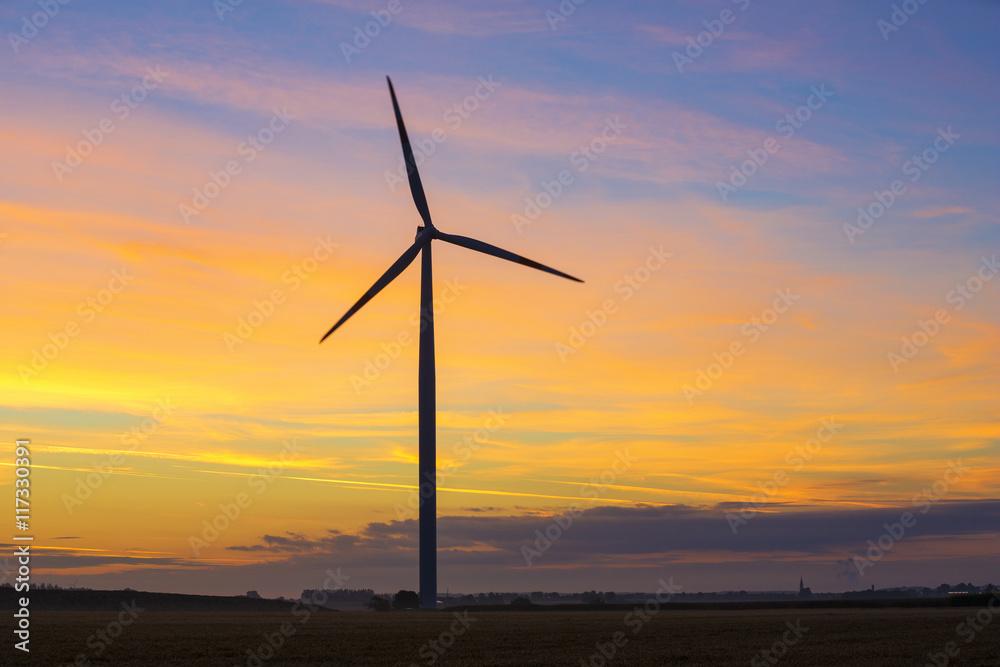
<point>416,187</point>
<point>398,267</point>
<point>473,244</point>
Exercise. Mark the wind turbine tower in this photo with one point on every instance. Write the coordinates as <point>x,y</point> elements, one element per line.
<point>427,454</point>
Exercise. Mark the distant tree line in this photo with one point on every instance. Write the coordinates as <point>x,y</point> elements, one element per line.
<point>586,597</point>
<point>356,597</point>
<point>402,600</point>
<point>50,587</point>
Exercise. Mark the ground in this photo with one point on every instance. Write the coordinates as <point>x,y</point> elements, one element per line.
<point>852,637</point>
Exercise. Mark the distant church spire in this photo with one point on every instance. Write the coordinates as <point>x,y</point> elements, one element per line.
<point>801,587</point>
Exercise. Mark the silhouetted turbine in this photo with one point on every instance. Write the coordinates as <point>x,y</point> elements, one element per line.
<point>427,464</point>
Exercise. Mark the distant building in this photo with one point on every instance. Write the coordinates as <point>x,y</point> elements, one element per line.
<point>804,593</point>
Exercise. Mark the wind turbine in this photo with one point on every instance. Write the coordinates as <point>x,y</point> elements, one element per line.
<point>427,430</point>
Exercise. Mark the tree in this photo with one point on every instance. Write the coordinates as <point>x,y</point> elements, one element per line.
<point>520,601</point>
<point>406,600</point>
<point>378,604</point>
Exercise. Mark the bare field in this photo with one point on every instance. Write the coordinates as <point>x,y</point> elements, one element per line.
<point>855,637</point>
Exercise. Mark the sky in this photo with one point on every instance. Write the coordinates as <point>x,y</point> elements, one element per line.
<point>783,361</point>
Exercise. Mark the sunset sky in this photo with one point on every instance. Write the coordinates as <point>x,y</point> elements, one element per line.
<point>192,193</point>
